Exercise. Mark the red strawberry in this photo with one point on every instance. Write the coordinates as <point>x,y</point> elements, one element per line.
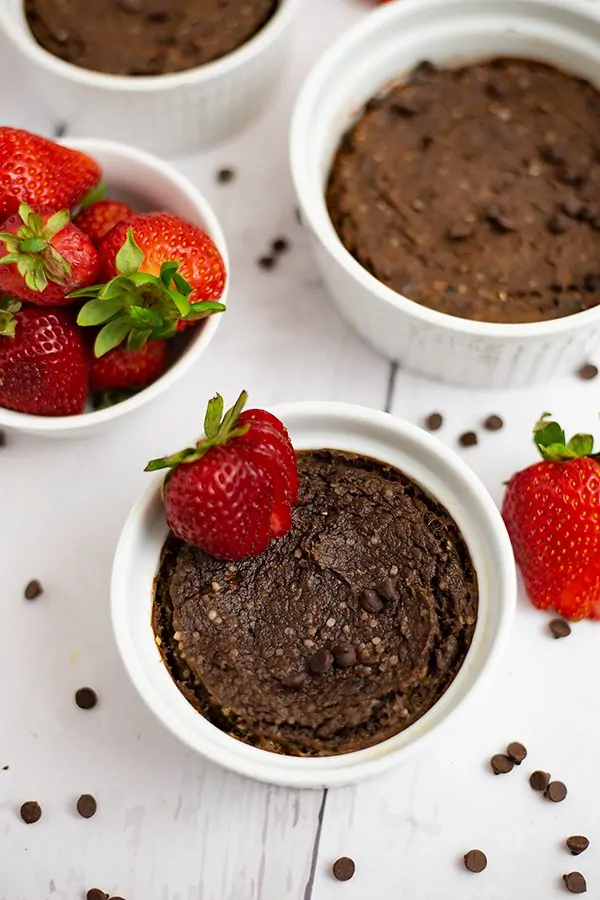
<point>121,368</point>
<point>44,364</point>
<point>163,274</point>
<point>552,513</point>
<point>97,220</point>
<point>232,493</point>
<point>43,174</point>
<point>44,258</point>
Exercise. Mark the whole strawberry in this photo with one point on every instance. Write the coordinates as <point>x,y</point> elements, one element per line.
<point>97,219</point>
<point>552,513</point>
<point>43,174</point>
<point>121,369</point>
<point>43,258</point>
<point>232,493</point>
<point>163,273</point>
<point>44,363</point>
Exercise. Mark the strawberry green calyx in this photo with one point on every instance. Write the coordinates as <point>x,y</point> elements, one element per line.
<point>550,440</point>
<point>31,251</point>
<point>136,306</point>
<point>218,430</point>
<point>9,306</point>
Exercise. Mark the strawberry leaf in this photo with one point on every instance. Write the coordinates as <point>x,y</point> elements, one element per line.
<point>581,445</point>
<point>167,270</point>
<point>97,312</point>
<point>130,257</point>
<point>214,414</point>
<point>550,440</point>
<point>33,245</point>
<point>93,195</point>
<point>137,338</point>
<point>112,335</point>
<point>144,317</point>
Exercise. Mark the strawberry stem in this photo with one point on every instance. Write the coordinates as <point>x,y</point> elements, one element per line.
<point>551,441</point>
<point>30,250</point>
<point>9,307</point>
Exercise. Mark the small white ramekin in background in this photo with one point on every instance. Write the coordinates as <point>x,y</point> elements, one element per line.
<point>367,432</point>
<point>378,51</point>
<point>168,114</point>
<point>146,183</point>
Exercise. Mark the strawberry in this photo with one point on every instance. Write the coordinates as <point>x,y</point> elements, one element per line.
<point>552,513</point>
<point>44,364</point>
<point>232,493</point>
<point>121,368</point>
<point>45,257</point>
<point>43,174</point>
<point>162,272</point>
<point>97,219</point>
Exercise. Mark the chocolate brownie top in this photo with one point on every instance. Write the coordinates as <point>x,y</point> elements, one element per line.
<point>475,191</point>
<point>342,633</point>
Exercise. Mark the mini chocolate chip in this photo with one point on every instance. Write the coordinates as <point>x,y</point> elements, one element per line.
<point>559,628</point>
<point>387,590</point>
<point>588,212</point>
<point>501,224</point>
<point>539,780</point>
<point>267,262</point>
<point>131,6</point>
<point>556,791</point>
<point>577,844</point>
<point>558,224</point>
<point>96,894</point>
<point>575,883</point>
<point>495,90</point>
<point>588,372</point>
<point>422,72</point>
<point>31,812</point>
<point>405,108</point>
<point>225,176</point>
<point>371,601</point>
<point>517,752</point>
<point>475,861</point>
<point>87,806</point>
<point>595,223</point>
<point>591,283</point>
<point>33,590</point>
<point>344,655</point>
<point>434,422</point>
<point>551,154</point>
<point>321,661</point>
<point>295,680</point>
<point>570,175</point>
<point>280,245</point>
<point>86,698</point>
<point>501,764</point>
<point>460,231</point>
<point>572,207</point>
<point>344,868</point>
<point>468,439</point>
<point>493,423</point>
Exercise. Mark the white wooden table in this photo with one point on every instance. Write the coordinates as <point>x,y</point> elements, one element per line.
<point>170,826</point>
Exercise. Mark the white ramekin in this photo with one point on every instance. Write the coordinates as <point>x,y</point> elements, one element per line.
<point>147,184</point>
<point>168,114</point>
<point>358,430</point>
<point>382,49</point>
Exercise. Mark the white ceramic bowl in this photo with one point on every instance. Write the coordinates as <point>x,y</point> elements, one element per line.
<point>430,464</point>
<point>382,49</point>
<point>168,114</point>
<point>146,183</point>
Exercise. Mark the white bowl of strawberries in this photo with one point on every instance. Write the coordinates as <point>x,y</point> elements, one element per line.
<point>113,269</point>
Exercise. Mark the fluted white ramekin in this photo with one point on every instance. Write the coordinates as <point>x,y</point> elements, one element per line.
<point>168,114</point>
<point>147,184</point>
<point>370,433</point>
<point>382,49</point>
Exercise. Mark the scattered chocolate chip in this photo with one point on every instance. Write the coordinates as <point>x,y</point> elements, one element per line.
<point>344,868</point>
<point>556,791</point>
<point>86,698</point>
<point>577,844</point>
<point>280,245</point>
<point>33,590</point>
<point>371,601</point>
<point>96,894</point>
<point>267,262</point>
<point>575,883</point>
<point>588,372</point>
<point>572,207</point>
<point>434,422</point>
<point>501,764</point>
<point>344,655</point>
<point>517,752</point>
<point>31,812</point>
<point>225,176</point>
<point>539,781</point>
<point>295,680</point>
<point>558,224</point>
<point>559,628</point>
<point>87,806</point>
<point>115,898</point>
<point>387,590</point>
<point>475,861</point>
<point>460,231</point>
<point>321,661</point>
<point>468,439</point>
<point>493,423</point>
<point>131,6</point>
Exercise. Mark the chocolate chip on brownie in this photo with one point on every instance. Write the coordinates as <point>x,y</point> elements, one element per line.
<point>344,655</point>
<point>558,224</point>
<point>371,601</point>
<point>321,661</point>
<point>295,680</point>
<point>460,231</point>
